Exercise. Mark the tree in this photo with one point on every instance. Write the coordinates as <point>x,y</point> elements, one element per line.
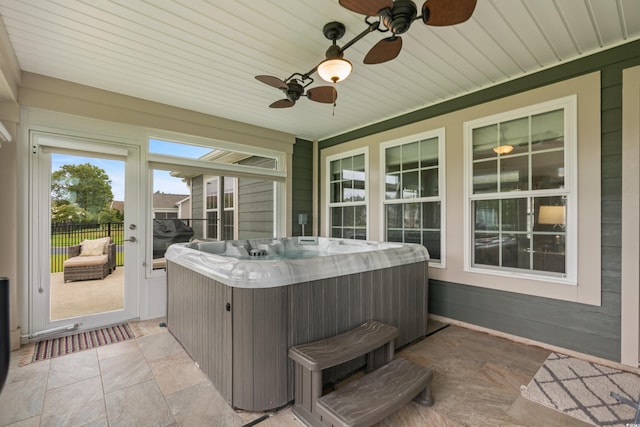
<point>85,185</point>
<point>65,212</point>
<point>110,215</point>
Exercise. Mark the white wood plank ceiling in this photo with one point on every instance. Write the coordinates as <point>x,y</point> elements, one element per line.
<point>202,55</point>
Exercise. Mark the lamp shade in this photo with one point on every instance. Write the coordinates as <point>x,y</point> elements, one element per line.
<point>551,215</point>
<point>334,69</point>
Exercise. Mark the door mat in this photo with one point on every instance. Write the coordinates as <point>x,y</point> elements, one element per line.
<point>86,340</point>
<point>583,390</point>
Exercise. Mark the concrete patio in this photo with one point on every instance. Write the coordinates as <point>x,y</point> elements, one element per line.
<point>73,299</point>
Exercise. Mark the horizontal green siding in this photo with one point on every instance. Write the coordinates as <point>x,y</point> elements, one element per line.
<point>197,206</point>
<point>584,328</point>
<point>302,185</point>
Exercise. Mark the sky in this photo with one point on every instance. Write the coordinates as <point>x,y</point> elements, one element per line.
<point>162,181</point>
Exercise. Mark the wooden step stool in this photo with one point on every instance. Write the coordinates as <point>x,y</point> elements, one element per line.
<point>367,400</point>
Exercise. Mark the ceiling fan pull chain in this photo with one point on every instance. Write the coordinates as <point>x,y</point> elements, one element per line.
<point>335,96</point>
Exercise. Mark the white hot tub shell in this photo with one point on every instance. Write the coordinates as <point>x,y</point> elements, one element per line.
<point>237,306</point>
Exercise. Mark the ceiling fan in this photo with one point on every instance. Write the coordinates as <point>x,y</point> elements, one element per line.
<point>397,16</point>
<point>394,16</point>
<point>294,88</point>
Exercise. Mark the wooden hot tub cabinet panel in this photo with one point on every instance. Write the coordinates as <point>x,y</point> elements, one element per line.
<point>260,348</point>
<point>244,351</point>
<point>197,317</point>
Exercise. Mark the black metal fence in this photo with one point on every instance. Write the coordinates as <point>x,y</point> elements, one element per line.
<point>64,235</point>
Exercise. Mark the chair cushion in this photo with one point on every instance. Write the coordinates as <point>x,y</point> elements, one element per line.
<point>94,247</point>
<point>85,261</point>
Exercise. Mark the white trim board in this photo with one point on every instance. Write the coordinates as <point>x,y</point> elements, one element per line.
<point>630,251</point>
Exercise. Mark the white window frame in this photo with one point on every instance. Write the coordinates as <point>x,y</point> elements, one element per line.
<point>205,182</point>
<point>221,208</point>
<point>329,204</point>
<point>175,163</point>
<point>569,104</point>
<point>441,135</point>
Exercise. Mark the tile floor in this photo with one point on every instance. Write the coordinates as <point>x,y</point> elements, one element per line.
<point>151,381</point>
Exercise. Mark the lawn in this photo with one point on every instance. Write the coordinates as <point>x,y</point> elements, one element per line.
<point>62,238</point>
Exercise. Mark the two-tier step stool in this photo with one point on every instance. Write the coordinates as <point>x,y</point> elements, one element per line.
<point>388,385</point>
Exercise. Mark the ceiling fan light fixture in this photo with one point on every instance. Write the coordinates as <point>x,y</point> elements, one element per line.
<point>503,149</point>
<point>334,69</point>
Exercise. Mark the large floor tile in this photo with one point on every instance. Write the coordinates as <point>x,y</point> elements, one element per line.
<point>159,345</point>
<point>148,327</point>
<point>72,368</point>
<point>74,404</point>
<point>283,418</point>
<point>29,422</point>
<point>176,372</point>
<point>124,371</point>
<point>201,405</point>
<point>32,370</point>
<point>137,406</point>
<point>117,349</point>
<point>21,400</point>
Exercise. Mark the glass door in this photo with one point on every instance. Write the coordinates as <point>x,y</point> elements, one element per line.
<point>84,245</point>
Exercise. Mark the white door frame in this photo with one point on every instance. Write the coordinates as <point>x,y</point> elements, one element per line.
<point>42,144</point>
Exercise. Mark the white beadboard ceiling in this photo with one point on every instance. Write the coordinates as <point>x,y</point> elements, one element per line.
<point>202,55</point>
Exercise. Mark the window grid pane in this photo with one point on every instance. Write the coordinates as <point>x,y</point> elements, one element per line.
<point>347,186</point>
<point>412,174</point>
<point>527,232</point>
<point>524,233</point>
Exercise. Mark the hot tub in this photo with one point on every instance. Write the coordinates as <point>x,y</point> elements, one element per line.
<point>265,263</point>
<point>237,306</point>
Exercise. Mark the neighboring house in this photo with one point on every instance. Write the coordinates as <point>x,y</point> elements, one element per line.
<point>164,206</point>
<point>167,205</point>
<point>117,205</point>
<point>231,208</point>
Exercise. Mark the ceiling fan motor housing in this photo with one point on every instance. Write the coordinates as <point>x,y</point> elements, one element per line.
<point>294,90</point>
<point>399,17</point>
<point>334,30</point>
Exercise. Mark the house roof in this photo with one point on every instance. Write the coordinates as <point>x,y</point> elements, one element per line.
<point>166,201</point>
<point>205,58</point>
<point>117,205</point>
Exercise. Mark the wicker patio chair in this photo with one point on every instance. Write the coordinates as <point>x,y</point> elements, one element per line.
<point>86,267</point>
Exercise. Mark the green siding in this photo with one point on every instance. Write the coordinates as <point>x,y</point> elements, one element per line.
<point>255,203</point>
<point>588,329</point>
<point>302,185</point>
<point>197,208</point>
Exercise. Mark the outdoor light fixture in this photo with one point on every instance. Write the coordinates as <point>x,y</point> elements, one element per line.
<point>335,68</point>
<point>503,149</point>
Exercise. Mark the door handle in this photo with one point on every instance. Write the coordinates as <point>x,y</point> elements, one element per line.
<point>131,239</point>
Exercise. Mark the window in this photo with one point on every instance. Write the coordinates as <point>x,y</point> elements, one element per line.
<point>169,193</point>
<point>520,197</point>
<point>413,189</point>
<point>220,208</point>
<point>348,197</point>
<point>216,189</point>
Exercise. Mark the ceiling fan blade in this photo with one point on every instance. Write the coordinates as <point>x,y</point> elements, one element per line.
<point>282,103</point>
<point>447,12</point>
<point>366,7</point>
<point>326,94</point>
<point>272,81</point>
<point>383,51</point>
